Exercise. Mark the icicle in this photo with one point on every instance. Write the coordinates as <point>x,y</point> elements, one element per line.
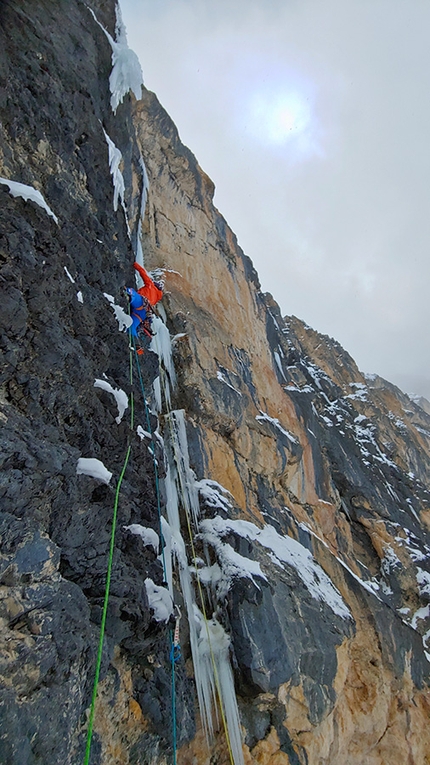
<point>208,640</point>
<point>186,477</point>
<point>215,668</point>
<point>162,345</point>
<point>176,545</point>
<point>156,387</point>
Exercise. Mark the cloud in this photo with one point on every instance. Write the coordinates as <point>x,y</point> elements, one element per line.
<point>335,215</point>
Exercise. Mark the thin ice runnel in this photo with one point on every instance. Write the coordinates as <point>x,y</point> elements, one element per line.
<point>143,199</point>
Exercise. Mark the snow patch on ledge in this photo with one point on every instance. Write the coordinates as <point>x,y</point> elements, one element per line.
<point>159,601</point>
<point>28,193</point>
<point>212,493</point>
<point>120,396</point>
<point>222,378</point>
<point>263,417</point>
<point>232,565</point>
<point>123,319</point>
<point>94,468</point>
<point>148,536</point>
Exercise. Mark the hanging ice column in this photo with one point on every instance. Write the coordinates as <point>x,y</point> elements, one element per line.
<point>209,641</point>
<point>162,346</point>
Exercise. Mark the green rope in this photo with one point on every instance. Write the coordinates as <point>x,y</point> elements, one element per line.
<point>105,607</point>
<point>110,564</point>
<point>108,579</point>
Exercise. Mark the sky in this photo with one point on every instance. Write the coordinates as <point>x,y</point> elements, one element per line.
<point>312,117</point>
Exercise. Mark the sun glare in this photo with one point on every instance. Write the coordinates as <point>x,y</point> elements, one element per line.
<point>283,119</point>
<point>279,119</point>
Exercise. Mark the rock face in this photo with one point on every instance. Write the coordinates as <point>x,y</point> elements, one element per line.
<point>292,490</point>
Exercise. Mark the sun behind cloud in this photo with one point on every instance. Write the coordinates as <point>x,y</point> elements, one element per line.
<point>283,118</point>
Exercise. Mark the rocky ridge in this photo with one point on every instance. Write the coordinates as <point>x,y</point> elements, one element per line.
<point>308,481</point>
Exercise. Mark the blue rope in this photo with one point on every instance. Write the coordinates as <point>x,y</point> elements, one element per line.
<point>173,661</point>
<point>174,654</point>
<point>152,450</point>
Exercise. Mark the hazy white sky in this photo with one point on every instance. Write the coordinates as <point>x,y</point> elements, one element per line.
<point>312,117</point>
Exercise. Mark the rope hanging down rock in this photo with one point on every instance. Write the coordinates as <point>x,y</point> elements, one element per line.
<point>174,637</point>
<point>108,579</point>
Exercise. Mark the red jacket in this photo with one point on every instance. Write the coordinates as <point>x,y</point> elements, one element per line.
<point>152,293</point>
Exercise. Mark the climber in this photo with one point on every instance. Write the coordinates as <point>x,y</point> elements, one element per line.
<point>142,303</point>
<point>139,309</point>
<point>152,291</point>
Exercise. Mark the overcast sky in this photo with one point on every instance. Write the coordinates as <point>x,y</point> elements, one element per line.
<point>312,117</point>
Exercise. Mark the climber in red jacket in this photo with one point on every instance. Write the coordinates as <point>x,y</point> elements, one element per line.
<point>142,303</point>
<point>151,290</point>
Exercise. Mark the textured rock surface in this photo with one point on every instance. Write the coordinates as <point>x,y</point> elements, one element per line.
<point>318,525</point>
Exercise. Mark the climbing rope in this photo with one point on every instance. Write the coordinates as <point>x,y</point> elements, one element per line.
<point>108,580</point>
<point>154,459</point>
<point>173,637</point>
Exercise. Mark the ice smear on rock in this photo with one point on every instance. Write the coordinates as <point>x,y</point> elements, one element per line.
<point>145,187</point>
<point>93,467</point>
<point>119,395</point>
<point>28,193</point>
<point>69,275</point>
